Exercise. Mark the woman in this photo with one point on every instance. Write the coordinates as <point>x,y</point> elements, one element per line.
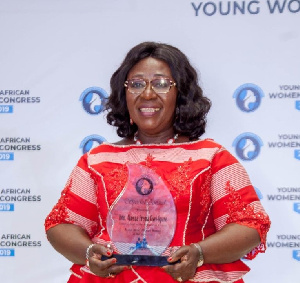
<point>160,111</point>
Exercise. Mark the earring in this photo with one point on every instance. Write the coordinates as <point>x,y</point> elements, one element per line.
<point>131,122</point>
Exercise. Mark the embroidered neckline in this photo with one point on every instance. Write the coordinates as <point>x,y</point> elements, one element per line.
<point>158,145</point>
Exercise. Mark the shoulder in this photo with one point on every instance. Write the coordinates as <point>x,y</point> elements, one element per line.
<point>216,152</point>
<point>124,141</point>
<point>203,144</point>
<point>107,148</point>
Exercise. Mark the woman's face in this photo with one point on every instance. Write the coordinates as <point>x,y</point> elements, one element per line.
<point>152,113</point>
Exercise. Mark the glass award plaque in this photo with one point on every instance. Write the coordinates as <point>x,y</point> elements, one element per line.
<point>142,220</point>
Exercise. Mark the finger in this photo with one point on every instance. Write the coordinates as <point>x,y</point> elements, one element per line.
<point>102,264</point>
<point>116,269</point>
<point>100,267</point>
<point>97,249</point>
<point>172,268</point>
<point>179,254</point>
<point>185,269</point>
<point>180,270</point>
<point>101,249</point>
<point>106,268</point>
<point>179,279</point>
<point>110,275</point>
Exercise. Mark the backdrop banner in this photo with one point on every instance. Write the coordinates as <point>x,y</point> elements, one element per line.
<point>56,60</point>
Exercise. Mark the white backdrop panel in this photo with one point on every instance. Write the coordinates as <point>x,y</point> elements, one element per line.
<point>57,49</point>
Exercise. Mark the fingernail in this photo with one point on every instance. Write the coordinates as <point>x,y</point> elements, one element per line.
<point>108,252</point>
<point>170,258</point>
<point>114,260</point>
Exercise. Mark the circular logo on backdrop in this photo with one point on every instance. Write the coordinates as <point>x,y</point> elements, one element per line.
<point>248,97</point>
<point>247,146</point>
<point>93,100</point>
<point>259,193</point>
<point>90,142</point>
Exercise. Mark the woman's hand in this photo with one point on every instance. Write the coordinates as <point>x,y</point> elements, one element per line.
<point>103,268</point>
<point>186,268</point>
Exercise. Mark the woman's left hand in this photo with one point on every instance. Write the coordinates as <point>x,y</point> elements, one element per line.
<point>186,268</point>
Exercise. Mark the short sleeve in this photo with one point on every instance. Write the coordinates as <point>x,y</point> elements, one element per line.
<point>77,203</point>
<point>235,200</point>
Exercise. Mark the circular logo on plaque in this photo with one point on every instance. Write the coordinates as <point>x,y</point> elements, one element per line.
<point>144,186</point>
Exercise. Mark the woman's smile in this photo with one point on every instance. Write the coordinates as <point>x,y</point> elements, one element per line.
<point>147,110</point>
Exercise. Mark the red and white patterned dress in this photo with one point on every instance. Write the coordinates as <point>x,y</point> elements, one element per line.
<point>209,186</point>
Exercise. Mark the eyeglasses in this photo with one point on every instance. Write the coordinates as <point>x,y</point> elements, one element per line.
<point>159,85</point>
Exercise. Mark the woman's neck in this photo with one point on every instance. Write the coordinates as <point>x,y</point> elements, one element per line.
<point>166,137</point>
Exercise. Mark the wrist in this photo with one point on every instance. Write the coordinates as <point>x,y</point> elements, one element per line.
<point>88,252</point>
<point>201,257</point>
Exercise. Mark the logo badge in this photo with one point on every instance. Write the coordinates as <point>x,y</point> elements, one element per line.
<point>7,156</point>
<point>7,252</point>
<point>297,207</point>
<point>247,146</point>
<point>7,207</point>
<point>248,97</point>
<point>6,109</point>
<point>93,100</point>
<point>296,254</point>
<point>258,192</point>
<point>297,154</point>
<point>297,104</point>
<point>91,142</point>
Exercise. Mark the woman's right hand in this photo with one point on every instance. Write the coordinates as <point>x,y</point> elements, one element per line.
<point>72,241</point>
<point>103,268</point>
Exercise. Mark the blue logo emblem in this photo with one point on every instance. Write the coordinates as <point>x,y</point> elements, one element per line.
<point>296,254</point>
<point>247,146</point>
<point>297,207</point>
<point>258,192</point>
<point>90,142</point>
<point>297,154</point>
<point>248,97</point>
<point>297,104</point>
<point>93,100</point>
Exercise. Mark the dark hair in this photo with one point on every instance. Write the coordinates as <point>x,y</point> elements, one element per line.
<point>191,106</point>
